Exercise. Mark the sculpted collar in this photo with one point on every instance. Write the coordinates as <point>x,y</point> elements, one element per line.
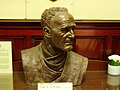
<point>53,60</point>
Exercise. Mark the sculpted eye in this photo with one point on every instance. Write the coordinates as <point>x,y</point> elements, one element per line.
<point>65,30</point>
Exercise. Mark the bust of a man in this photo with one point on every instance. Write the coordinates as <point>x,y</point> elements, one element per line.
<point>53,59</point>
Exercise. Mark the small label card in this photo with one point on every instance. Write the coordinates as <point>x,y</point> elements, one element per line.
<point>55,86</point>
<point>6,57</point>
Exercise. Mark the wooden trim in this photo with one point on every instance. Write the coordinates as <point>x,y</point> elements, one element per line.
<point>81,24</point>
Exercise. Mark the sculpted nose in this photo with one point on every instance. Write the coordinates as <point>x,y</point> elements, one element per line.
<point>71,34</point>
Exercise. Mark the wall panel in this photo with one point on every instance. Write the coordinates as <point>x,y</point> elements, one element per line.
<point>92,47</point>
<point>116,45</point>
<point>95,40</point>
<point>37,40</point>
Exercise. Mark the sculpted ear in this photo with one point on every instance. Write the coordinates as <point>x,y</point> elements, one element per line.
<point>46,31</point>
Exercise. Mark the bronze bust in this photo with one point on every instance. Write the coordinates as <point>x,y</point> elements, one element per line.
<point>53,59</point>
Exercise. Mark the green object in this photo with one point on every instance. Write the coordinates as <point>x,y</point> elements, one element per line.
<point>114,63</point>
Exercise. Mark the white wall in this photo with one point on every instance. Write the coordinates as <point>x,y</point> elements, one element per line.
<point>80,9</point>
<point>97,9</point>
<point>12,9</point>
<point>36,7</point>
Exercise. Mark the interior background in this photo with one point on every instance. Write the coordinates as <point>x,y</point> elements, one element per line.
<point>80,9</point>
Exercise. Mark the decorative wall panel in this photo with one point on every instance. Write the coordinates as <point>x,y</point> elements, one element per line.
<point>116,45</point>
<point>95,40</point>
<point>91,47</point>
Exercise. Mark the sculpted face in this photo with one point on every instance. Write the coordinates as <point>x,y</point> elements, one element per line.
<point>62,34</point>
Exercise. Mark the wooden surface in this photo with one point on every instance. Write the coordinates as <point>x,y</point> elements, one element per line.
<point>93,80</point>
<point>95,40</point>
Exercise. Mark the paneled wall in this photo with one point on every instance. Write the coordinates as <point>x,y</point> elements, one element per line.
<point>93,39</point>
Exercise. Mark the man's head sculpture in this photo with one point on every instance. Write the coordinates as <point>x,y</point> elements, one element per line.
<point>58,27</point>
<point>53,59</point>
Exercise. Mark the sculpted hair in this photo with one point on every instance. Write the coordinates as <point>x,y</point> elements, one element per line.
<point>48,14</point>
